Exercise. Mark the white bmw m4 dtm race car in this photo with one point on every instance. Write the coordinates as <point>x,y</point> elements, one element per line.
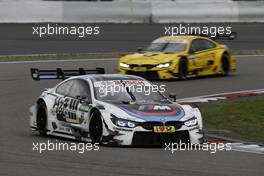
<point>102,108</point>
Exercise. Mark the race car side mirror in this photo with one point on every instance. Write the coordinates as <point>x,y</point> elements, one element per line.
<point>173,96</point>
<point>139,49</point>
<point>191,51</point>
<point>232,36</point>
<point>83,99</point>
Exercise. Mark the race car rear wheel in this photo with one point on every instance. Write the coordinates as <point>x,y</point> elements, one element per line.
<point>225,65</point>
<point>183,70</point>
<point>96,127</point>
<point>42,118</point>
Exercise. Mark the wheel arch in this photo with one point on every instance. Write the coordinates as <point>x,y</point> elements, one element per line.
<point>40,100</point>
<point>91,121</point>
<point>187,66</point>
<point>229,57</point>
<point>186,59</point>
<point>183,57</point>
<point>41,126</point>
<point>221,54</point>
<point>94,109</point>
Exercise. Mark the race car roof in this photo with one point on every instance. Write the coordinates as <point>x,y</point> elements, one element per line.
<point>180,37</point>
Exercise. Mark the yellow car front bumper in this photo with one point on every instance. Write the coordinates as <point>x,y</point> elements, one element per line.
<point>151,74</point>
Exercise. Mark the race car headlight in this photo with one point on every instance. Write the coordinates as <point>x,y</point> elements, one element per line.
<point>123,65</point>
<point>191,122</point>
<point>123,122</point>
<point>165,65</point>
<point>131,124</point>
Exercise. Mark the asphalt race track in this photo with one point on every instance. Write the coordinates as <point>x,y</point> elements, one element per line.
<point>18,38</point>
<point>18,92</point>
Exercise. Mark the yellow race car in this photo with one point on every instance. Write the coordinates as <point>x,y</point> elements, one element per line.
<point>179,57</point>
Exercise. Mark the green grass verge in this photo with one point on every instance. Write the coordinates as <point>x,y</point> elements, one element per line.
<point>70,56</point>
<point>242,118</point>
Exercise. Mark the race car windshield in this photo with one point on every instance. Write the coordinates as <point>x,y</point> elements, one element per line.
<point>149,96</point>
<point>168,46</point>
<point>127,91</point>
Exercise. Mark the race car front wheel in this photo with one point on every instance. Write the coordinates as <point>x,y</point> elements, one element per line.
<point>183,70</point>
<point>96,127</point>
<point>42,118</point>
<point>225,65</point>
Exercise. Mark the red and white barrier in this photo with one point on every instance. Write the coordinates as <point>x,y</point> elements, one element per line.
<point>221,96</point>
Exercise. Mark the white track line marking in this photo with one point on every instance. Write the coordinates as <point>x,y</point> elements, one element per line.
<point>248,148</point>
<point>67,60</point>
<point>246,151</point>
<point>237,144</point>
<point>260,55</point>
<point>80,60</point>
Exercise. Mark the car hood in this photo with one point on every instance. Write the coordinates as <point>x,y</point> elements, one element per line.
<point>149,58</point>
<point>151,111</point>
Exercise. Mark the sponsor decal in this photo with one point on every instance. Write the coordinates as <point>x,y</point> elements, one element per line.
<point>164,129</point>
<point>160,111</point>
<point>66,110</point>
<point>85,108</point>
<point>79,119</point>
<point>154,108</point>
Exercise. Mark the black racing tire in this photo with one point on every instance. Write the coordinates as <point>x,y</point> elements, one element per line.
<point>96,127</point>
<point>225,66</point>
<point>183,69</point>
<point>42,119</point>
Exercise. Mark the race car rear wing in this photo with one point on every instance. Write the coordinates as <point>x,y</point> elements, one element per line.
<point>37,74</point>
<point>218,36</point>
